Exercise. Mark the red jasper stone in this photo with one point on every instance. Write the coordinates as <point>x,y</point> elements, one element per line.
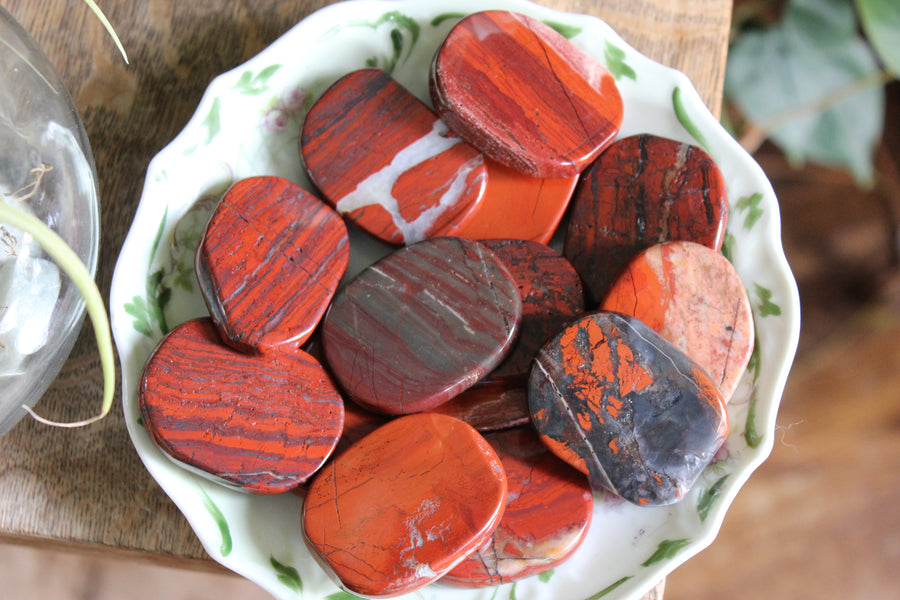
<point>269,262</point>
<point>623,405</point>
<point>548,513</point>
<point>693,297</point>
<point>386,162</point>
<point>404,505</point>
<point>518,206</point>
<point>642,191</point>
<point>524,95</point>
<point>421,325</point>
<point>263,423</point>
<point>489,406</point>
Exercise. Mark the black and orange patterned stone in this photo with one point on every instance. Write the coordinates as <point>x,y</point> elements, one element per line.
<point>548,512</point>
<point>404,505</point>
<point>386,161</point>
<point>524,95</point>
<point>262,423</point>
<point>269,262</point>
<point>643,190</point>
<point>620,403</point>
<point>421,325</point>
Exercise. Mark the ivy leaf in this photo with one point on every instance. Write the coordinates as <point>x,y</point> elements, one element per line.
<point>750,204</point>
<point>545,576</point>
<point>615,62</point>
<point>881,22</point>
<point>813,84</point>
<point>567,31</point>
<point>709,497</point>
<point>608,589</point>
<point>766,306</point>
<point>287,575</point>
<point>666,549</point>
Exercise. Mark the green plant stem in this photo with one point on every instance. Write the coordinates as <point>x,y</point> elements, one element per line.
<point>757,132</point>
<point>71,264</point>
<point>109,28</point>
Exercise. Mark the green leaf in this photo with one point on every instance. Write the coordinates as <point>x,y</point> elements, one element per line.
<point>881,22</point>
<point>729,244</point>
<point>813,85</point>
<point>615,62</point>
<point>512,592</point>
<point>666,549</point>
<point>137,308</point>
<point>342,595</point>
<point>221,523</point>
<point>751,434</point>
<point>446,17</point>
<point>213,122</point>
<point>750,205</point>
<point>546,575</point>
<point>608,589</point>
<point>287,575</point>
<point>249,84</point>
<point>708,498</point>
<point>685,119</point>
<point>567,31</point>
<point>765,305</point>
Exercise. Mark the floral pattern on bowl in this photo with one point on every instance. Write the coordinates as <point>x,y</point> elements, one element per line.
<point>247,124</point>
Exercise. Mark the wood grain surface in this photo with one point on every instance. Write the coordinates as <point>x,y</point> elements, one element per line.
<point>86,488</point>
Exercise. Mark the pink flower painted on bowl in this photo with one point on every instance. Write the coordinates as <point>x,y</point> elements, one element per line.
<point>286,109</point>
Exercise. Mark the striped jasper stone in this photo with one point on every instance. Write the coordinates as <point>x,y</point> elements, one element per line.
<point>269,262</point>
<point>524,95</point>
<point>421,325</point>
<point>387,163</point>
<point>261,423</point>
<point>643,190</point>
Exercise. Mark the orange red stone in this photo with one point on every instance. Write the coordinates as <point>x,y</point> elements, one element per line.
<point>269,262</point>
<point>262,423</point>
<point>548,512</point>
<point>643,190</point>
<point>694,298</point>
<point>405,504</point>
<point>524,95</point>
<point>387,163</point>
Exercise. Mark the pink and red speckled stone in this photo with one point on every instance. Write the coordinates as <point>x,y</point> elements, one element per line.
<point>263,423</point>
<point>643,190</point>
<point>524,95</point>
<point>693,297</point>
<point>548,513</point>
<point>421,325</point>
<point>387,163</point>
<point>404,504</point>
<point>518,206</point>
<point>623,405</point>
<point>269,262</point>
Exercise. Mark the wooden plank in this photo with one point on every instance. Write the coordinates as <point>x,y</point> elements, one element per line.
<point>87,488</point>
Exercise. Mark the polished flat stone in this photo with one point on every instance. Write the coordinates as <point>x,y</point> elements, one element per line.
<point>524,95</point>
<point>643,190</point>
<point>490,406</point>
<point>404,505</point>
<point>518,206</point>
<point>421,325</point>
<point>623,405</point>
<point>387,163</point>
<point>694,298</point>
<point>261,423</point>
<point>548,512</point>
<point>269,262</point>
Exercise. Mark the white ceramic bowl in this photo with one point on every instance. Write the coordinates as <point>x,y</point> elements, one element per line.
<point>247,124</point>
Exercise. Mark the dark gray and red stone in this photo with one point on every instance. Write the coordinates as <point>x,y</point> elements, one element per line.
<point>552,295</point>
<point>693,297</point>
<point>262,423</point>
<point>386,162</point>
<point>269,262</point>
<point>405,504</point>
<point>421,325</point>
<point>524,95</point>
<point>623,405</point>
<point>643,190</point>
<point>548,513</point>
